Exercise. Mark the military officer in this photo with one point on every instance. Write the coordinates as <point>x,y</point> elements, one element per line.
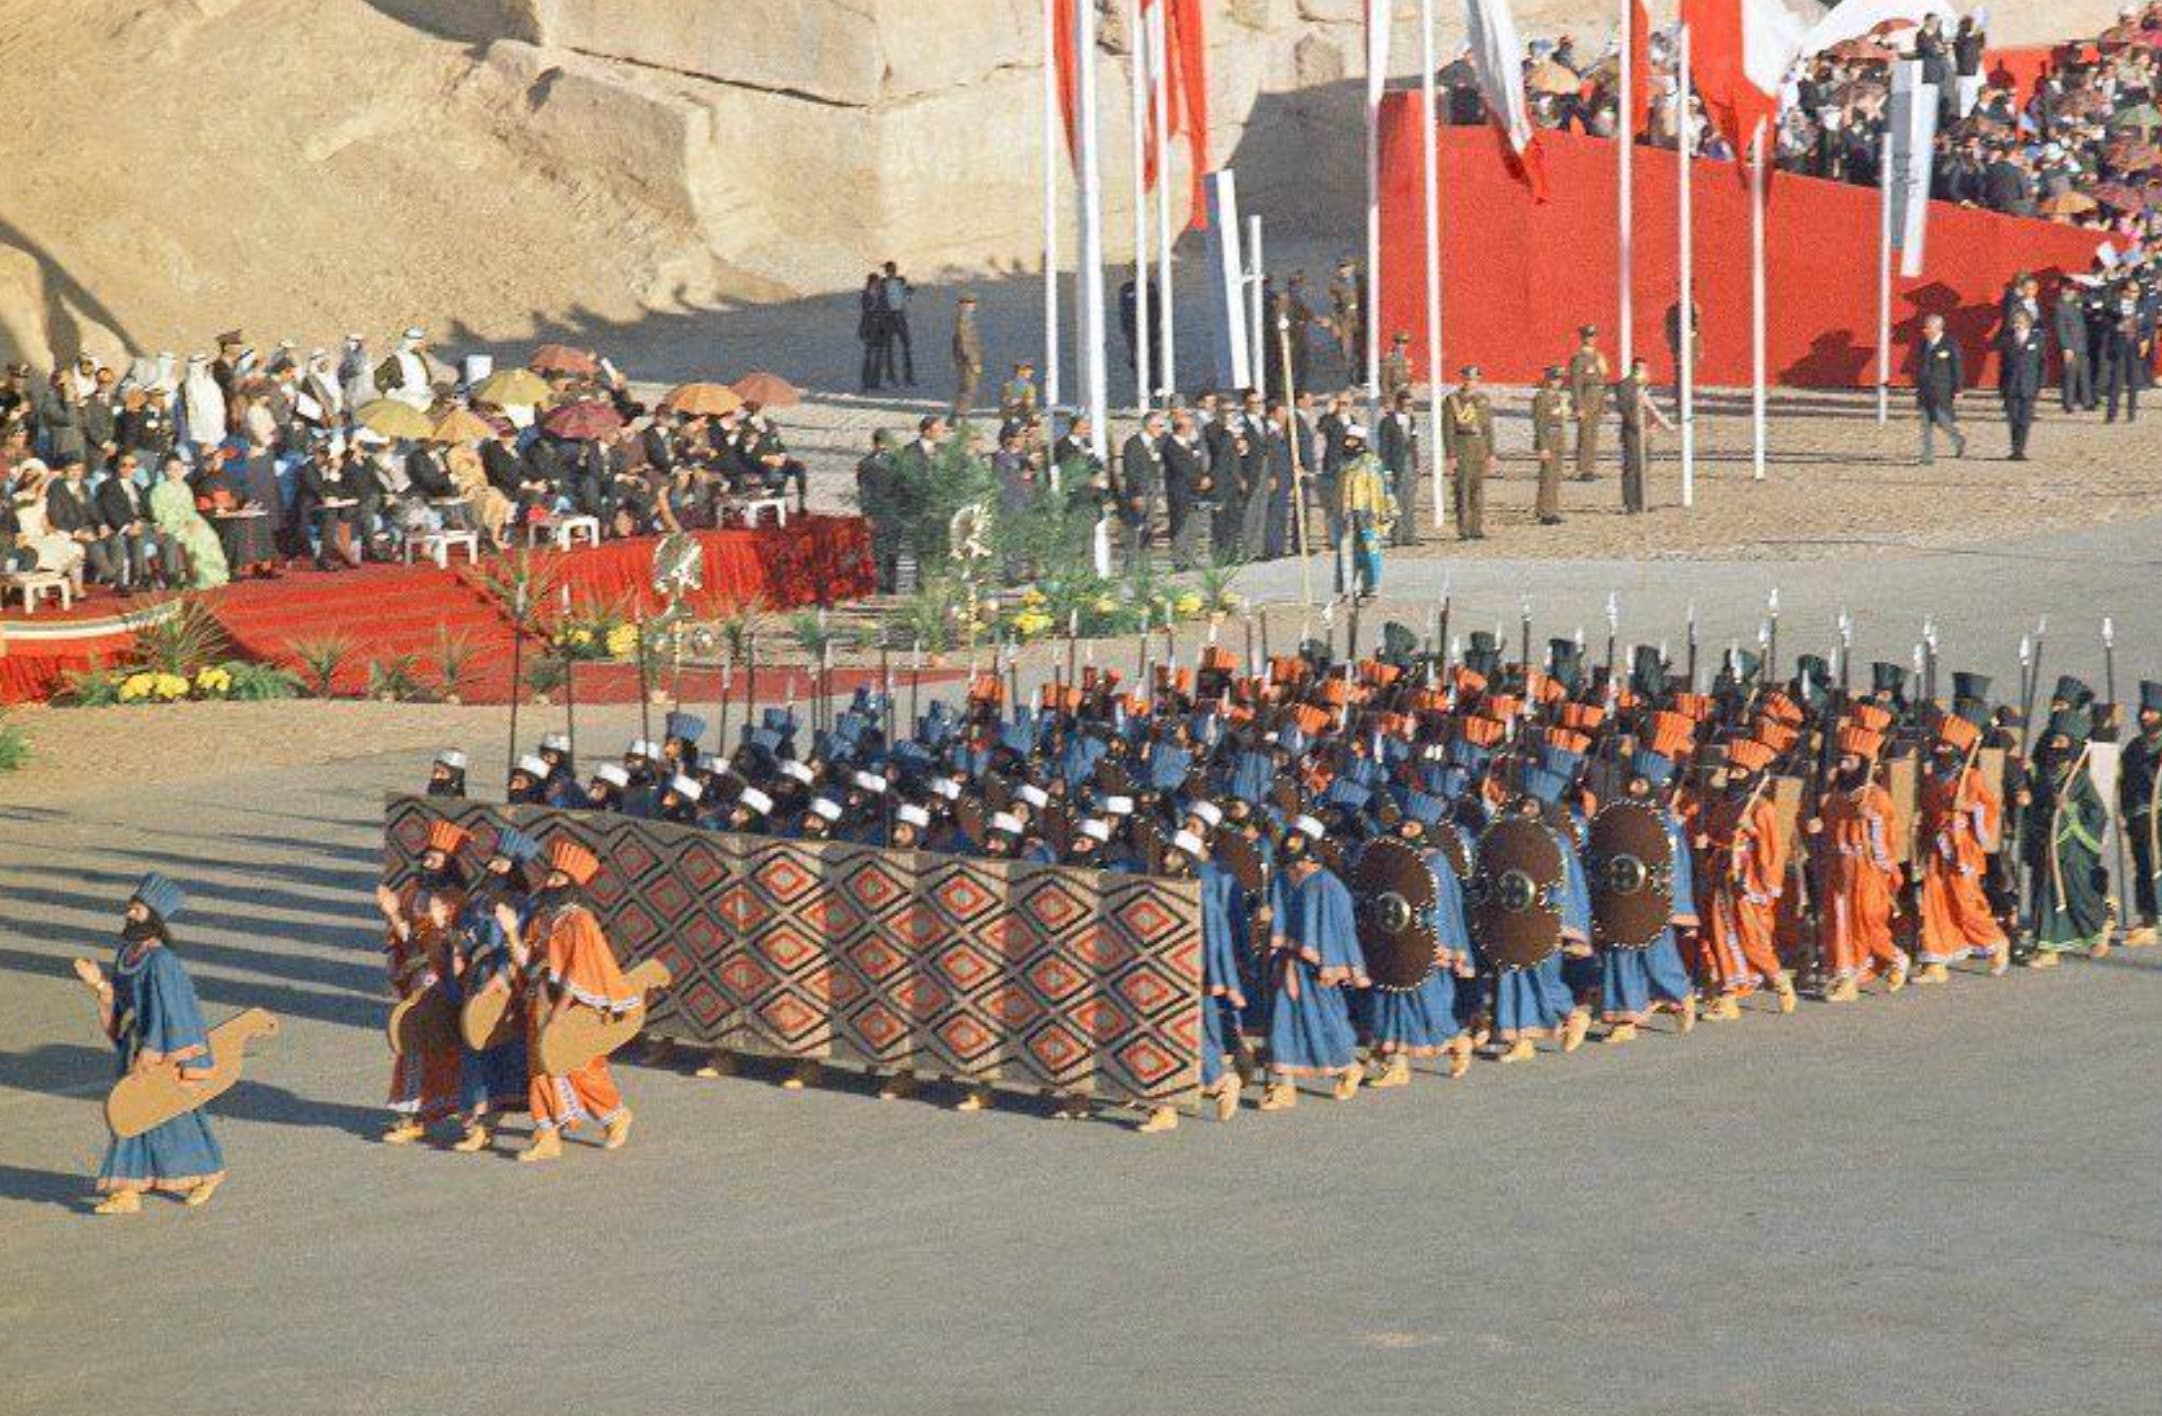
<point>1396,369</point>
<point>1550,410</point>
<point>1633,400</point>
<point>1589,375</point>
<point>1467,430</point>
<point>1347,318</point>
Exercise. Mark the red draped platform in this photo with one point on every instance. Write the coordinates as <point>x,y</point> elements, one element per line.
<point>1519,277</point>
<point>813,560</point>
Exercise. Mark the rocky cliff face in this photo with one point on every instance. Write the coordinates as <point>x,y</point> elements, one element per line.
<point>530,166</point>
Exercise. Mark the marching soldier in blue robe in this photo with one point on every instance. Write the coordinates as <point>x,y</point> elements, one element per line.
<point>1425,1021</point>
<point>493,1080</point>
<point>1534,1003</point>
<point>1314,943</point>
<point>1634,982</point>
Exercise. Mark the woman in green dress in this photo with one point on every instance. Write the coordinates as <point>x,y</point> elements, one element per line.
<point>172,507</point>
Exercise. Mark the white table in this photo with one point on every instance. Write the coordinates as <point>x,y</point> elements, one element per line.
<point>438,546</point>
<point>566,530</point>
<point>754,508</point>
<point>36,585</point>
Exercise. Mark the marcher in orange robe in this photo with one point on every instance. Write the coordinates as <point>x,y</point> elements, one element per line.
<point>571,966</point>
<point>1961,818</point>
<point>416,952</point>
<point>1745,864</point>
<point>1856,826</point>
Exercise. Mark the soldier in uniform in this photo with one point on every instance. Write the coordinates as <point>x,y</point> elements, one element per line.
<point>967,356</point>
<point>1347,318</point>
<point>2139,806</point>
<point>1589,375</point>
<point>1467,430</point>
<point>1396,369</point>
<point>1550,410</point>
<point>1633,401</point>
<point>1017,396</point>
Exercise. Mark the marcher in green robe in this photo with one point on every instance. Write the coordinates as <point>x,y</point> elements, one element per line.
<point>2066,826</point>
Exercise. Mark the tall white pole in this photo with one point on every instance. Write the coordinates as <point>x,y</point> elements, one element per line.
<point>1625,157</point>
<point>1757,176</point>
<point>1686,345</point>
<point>1167,378</point>
<point>1095,384</point>
<point>1051,162</point>
<point>1137,55</point>
<point>1256,272</point>
<point>1377,79</point>
<point>1430,145</point>
<point>1884,283</point>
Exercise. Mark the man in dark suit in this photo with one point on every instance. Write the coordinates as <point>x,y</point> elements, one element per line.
<point>2070,327</point>
<point>1397,442</point>
<point>69,508</point>
<point>1189,490</point>
<point>2122,362</point>
<point>1140,485</point>
<point>1940,372</point>
<point>124,507</point>
<point>2021,350</point>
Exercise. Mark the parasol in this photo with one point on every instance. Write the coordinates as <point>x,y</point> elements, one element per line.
<point>393,419</point>
<point>463,425</point>
<point>702,400</point>
<point>582,422</point>
<point>1549,77</point>
<point>2068,204</point>
<point>767,390</point>
<point>513,388</point>
<point>563,359</point>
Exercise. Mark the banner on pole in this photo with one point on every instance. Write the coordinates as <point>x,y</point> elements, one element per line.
<point>1229,339</point>
<point>1913,122</point>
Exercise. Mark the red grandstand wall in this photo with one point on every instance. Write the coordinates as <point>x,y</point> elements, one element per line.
<point>1519,277</point>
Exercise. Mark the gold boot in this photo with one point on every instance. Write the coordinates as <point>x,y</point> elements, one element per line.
<point>200,1195</point>
<point>1395,1073</point>
<point>1622,1032</point>
<point>1688,1015</point>
<point>1844,991</point>
<point>2042,959</point>
<point>403,1132</point>
<point>1158,1121</point>
<point>1895,980</point>
<point>1574,1029</point>
<point>619,1130</point>
<point>974,1099</point>
<point>1459,1058</point>
<point>1519,1051</point>
<point>898,1087</point>
<point>2099,949</point>
<point>1227,1097</point>
<point>2139,937</point>
<point>719,1063</point>
<point>806,1074</point>
<point>1784,987</point>
<point>1279,1096</point>
<point>120,1202</point>
<point>474,1139</point>
<point>2000,961</point>
<point>1347,1083</point>
<point>1933,973</point>
<point>547,1145</point>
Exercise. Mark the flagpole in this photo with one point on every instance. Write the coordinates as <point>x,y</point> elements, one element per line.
<point>1430,143</point>
<point>1625,135</point>
<point>1095,384</point>
<point>1160,56</point>
<point>1050,204</point>
<point>1377,79</point>
<point>1757,177</point>
<point>1136,53</point>
<point>1256,272</point>
<point>1884,283</point>
<point>1686,345</point>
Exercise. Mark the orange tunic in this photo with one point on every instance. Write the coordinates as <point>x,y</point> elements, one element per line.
<point>423,1084</point>
<point>1861,884</point>
<point>1960,822</point>
<point>573,957</point>
<point>1744,874</point>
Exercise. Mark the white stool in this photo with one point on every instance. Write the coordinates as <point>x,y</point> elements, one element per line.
<point>438,545</point>
<point>566,530</point>
<point>755,507</point>
<point>35,585</point>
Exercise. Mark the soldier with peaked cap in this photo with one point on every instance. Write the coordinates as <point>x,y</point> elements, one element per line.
<point>2139,810</point>
<point>1549,442</point>
<point>1856,824</point>
<point>2065,823</point>
<point>417,948</point>
<point>148,1007</point>
<point>1589,374</point>
<point>1961,819</point>
<point>1745,864</point>
<point>570,965</point>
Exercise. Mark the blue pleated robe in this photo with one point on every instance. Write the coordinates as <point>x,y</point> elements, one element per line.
<point>1633,981</point>
<point>1224,916</point>
<point>157,1015</point>
<point>493,1079</point>
<point>1315,943</point>
<point>1532,1003</point>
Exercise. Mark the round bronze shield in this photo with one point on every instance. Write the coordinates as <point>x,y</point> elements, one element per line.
<point>1630,865</point>
<point>1393,893</point>
<point>1443,836</point>
<point>1235,853</point>
<point>1056,822</point>
<point>1112,778</point>
<point>1515,893</point>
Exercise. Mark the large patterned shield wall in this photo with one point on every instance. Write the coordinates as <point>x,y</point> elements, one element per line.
<point>983,971</point>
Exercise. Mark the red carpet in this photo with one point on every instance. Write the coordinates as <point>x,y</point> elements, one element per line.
<point>814,560</point>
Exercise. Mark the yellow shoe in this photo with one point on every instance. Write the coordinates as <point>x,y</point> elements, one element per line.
<point>1347,1083</point>
<point>1573,1031</point>
<point>2099,949</point>
<point>1158,1121</point>
<point>1622,1032</point>
<point>898,1087</point>
<point>2000,961</point>
<point>474,1139</point>
<point>1227,1097</point>
<point>1784,987</point>
<point>1728,1009</point>
<point>1689,1015</point>
<point>2042,959</point>
<point>1242,1062</point>
<point>975,1099</point>
<point>1933,973</point>
<point>403,1132</point>
<point>2140,937</point>
<point>200,1195</point>
<point>547,1145</point>
<point>1279,1096</point>
<point>119,1202</point>
<point>1519,1051</point>
<point>619,1130</point>
<point>1895,980</point>
<point>1459,1058</point>
<point>1845,991</point>
<point>806,1074</point>
<point>1397,1073</point>
<point>718,1064</point>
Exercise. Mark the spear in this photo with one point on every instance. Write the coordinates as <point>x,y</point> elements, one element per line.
<point>517,674</point>
<point>750,681</point>
<point>2034,680</point>
<point>727,681</point>
<point>570,684</point>
<point>1846,651</point>
<point>645,696</point>
<point>1771,644</point>
<point>915,681</point>
<point>1524,636</point>
<point>1442,635</point>
<point>2109,686</point>
<point>1073,633</point>
<point>1613,630</point>
<point>1929,642</point>
<point>1692,646</point>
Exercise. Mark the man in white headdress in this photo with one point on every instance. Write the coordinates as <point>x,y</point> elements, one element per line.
<point>404,375</point>
<point>202,405</point>
<point>356,376</point>
<point>321,400</point>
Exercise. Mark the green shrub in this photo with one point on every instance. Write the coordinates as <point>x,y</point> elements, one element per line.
<point>321,658</point>
<point>396,678</point>
<point>14,745</point>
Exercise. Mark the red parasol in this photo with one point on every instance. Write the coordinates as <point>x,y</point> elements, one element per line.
<point>767,390</point>
<point>563,359</point>
<point>582,422</point>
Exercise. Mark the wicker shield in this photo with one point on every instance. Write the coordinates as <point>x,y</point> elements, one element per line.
<point>1630,862</point>
<point>426,1021</point>
<point>1393,892</point>
<point>1056,822</point>
<point>1515,893</point>
<point>579,1035</point>
<point>155,1095</point>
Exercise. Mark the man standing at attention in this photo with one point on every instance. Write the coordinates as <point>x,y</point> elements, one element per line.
<point>2019,378</point>
<point>1940,372</point>
<point>1633,400</point>
<point>1549,440</point>
<point>1467,430</point>
<point>1589,375</point>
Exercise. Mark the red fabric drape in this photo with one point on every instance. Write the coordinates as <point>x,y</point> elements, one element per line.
<point>812,560</point>
<point>1716,47</point>
<point>1062,51</point>
<point>1186,70</point>
<point>1640,67</point>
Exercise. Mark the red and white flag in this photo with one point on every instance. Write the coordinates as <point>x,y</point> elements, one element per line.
<point>1183,68</point>
<point>1739,52</point>
<point>1497,56</point>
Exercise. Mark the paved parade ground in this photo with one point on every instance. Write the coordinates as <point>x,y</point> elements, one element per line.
<point>1939,1202</point>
